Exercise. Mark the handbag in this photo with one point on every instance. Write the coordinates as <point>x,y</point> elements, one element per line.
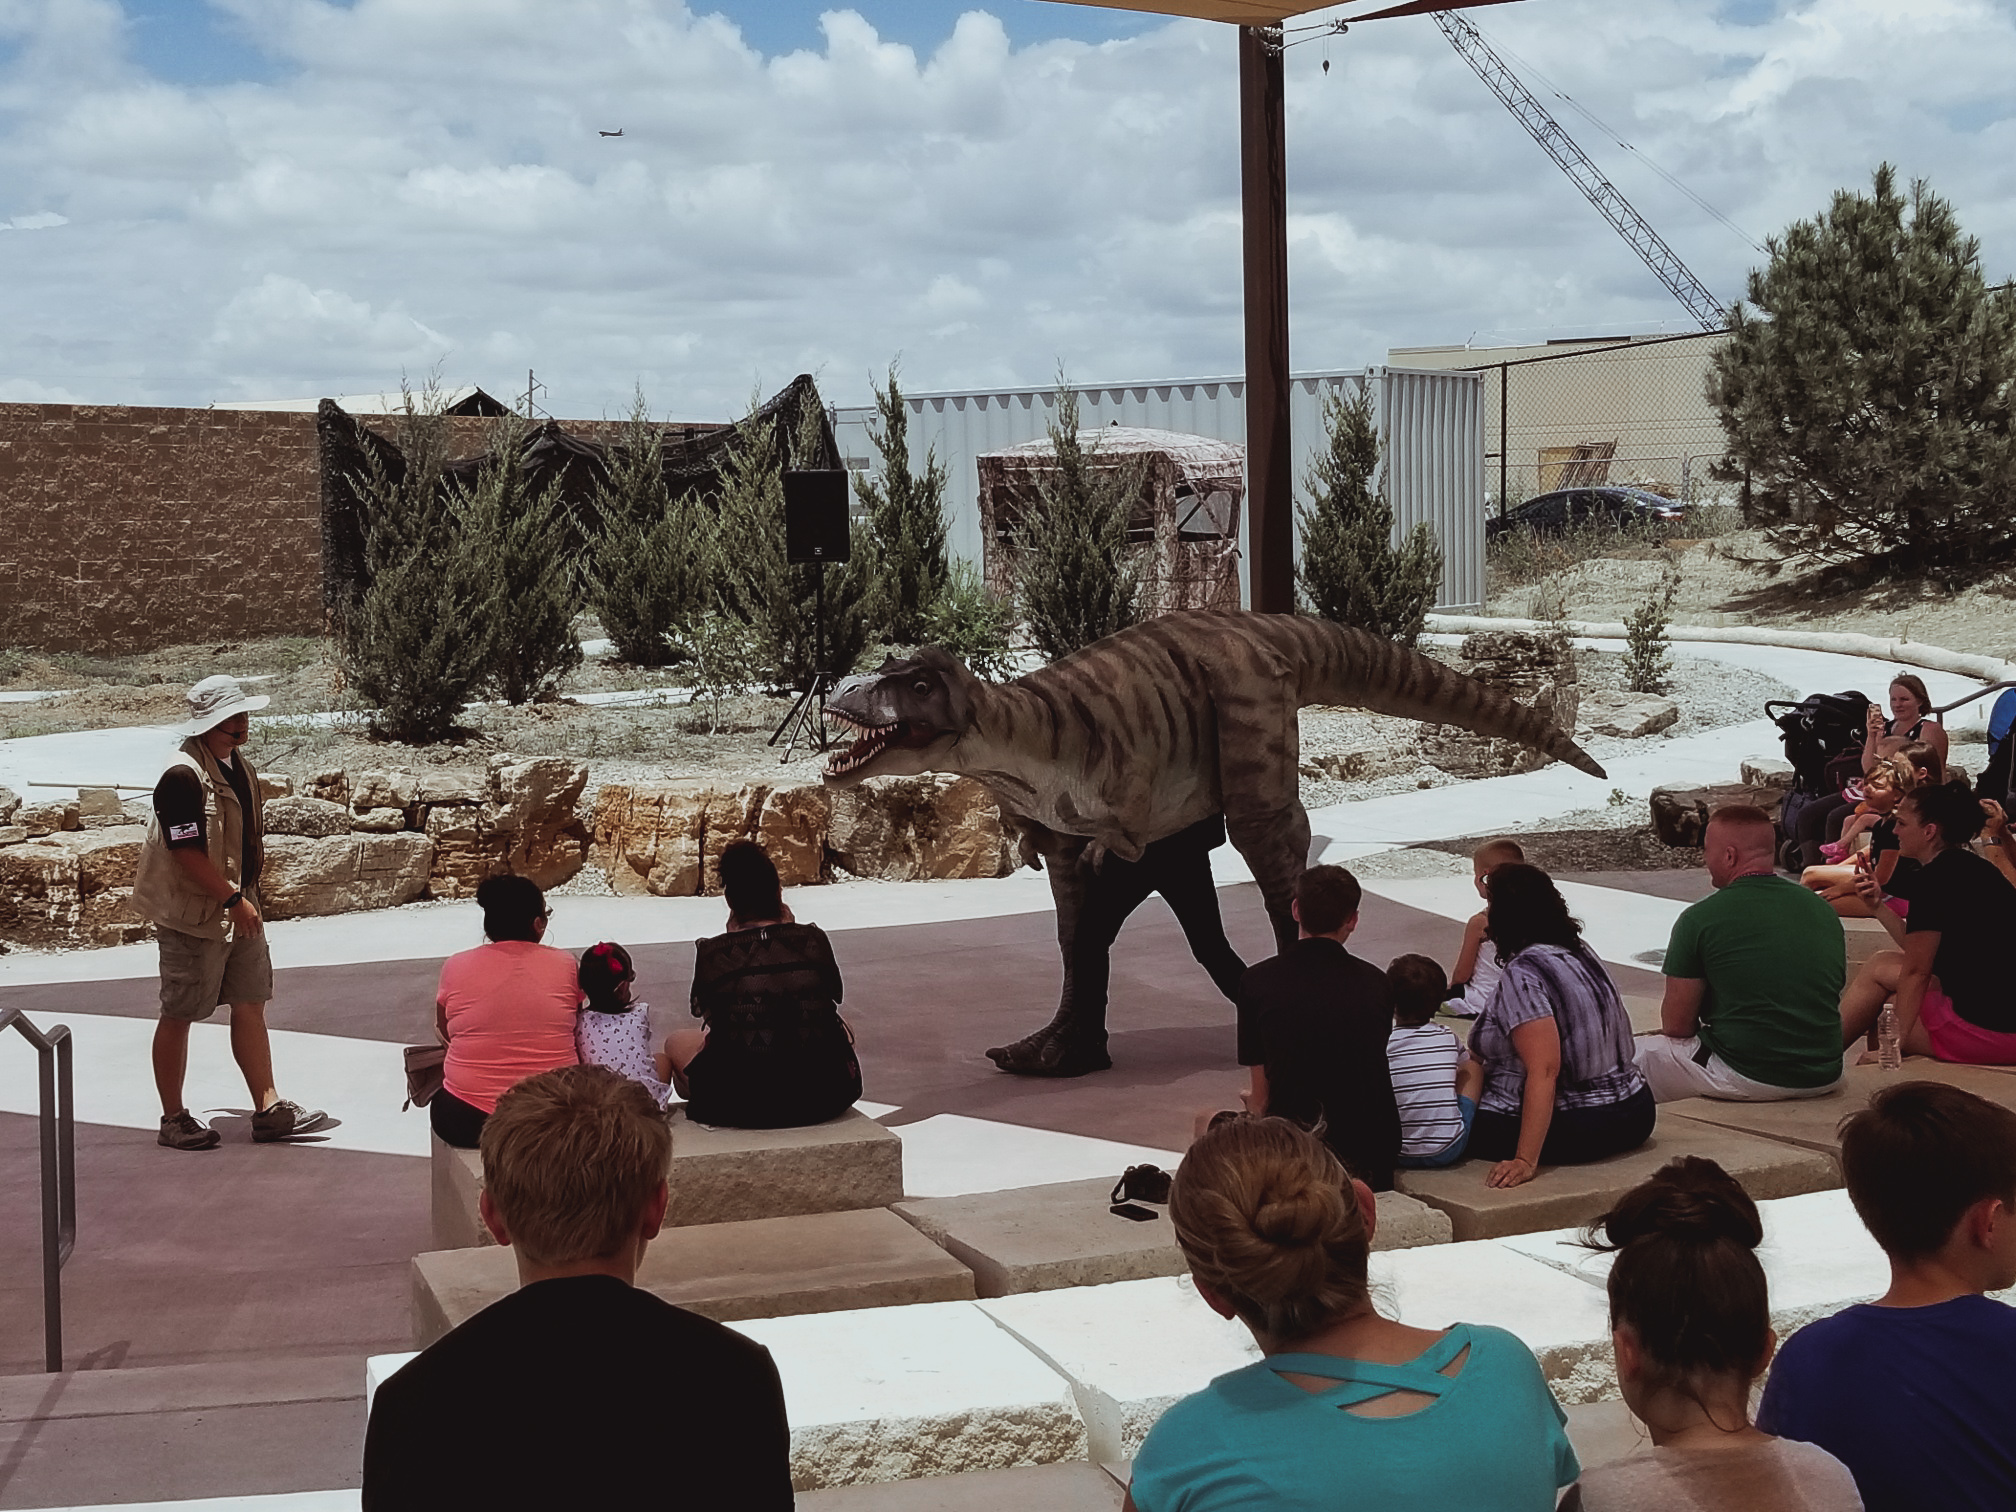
<point>424,1070</point>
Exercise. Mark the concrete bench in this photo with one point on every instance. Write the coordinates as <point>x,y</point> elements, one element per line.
<point>1564,1196</point>
<point>758,1268</point>
<point>1811,1122</point>
<point>1054,1488</point>
<point>721,1175</point>
<point>1044,1237</point>
<point>1864,937</point>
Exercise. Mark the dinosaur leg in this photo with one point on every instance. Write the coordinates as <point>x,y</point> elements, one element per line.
<point>1276,846</point>
<point>1092,904</point>
<point>1186,885</point>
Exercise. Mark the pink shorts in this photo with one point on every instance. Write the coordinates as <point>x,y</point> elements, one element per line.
<point>1956,1039</point>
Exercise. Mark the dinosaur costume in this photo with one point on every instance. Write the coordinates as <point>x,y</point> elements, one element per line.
<point>1143,735</point>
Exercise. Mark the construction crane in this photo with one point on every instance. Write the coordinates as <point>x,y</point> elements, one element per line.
<point>1610,203</point>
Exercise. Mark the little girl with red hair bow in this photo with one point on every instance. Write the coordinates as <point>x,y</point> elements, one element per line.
<point>613,1031</point>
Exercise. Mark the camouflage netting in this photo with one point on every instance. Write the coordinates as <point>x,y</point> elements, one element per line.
<point>1185,522</point>
<point>695,457</point>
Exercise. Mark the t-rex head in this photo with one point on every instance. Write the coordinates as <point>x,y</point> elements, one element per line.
<point>907,714</point>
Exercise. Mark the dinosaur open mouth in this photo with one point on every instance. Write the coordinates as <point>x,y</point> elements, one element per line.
<point>872,742</point>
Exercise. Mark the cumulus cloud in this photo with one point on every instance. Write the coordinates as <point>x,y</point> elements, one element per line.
<point>422,182</point>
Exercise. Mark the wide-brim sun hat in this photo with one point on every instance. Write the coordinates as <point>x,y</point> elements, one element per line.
<point>216,699</point>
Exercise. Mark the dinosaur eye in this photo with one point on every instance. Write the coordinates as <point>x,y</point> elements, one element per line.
<point>921,687</point>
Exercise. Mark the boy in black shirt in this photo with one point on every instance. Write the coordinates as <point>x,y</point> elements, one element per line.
<point>579,1389</point>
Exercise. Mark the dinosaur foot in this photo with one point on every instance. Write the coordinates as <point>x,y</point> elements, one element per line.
<point>1053,1051</point>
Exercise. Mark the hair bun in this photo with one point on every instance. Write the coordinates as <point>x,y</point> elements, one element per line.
<point>1688,1199</point>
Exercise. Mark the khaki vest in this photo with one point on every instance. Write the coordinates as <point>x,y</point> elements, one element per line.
<point>162,892</point>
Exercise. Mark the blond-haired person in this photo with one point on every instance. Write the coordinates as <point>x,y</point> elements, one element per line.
<point>579,1389</point>
<point>197,882</point>
<point>1337,1413</point>
<point>1475,975</point>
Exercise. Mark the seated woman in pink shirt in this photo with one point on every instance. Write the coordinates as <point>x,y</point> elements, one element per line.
<point>506,1010</point>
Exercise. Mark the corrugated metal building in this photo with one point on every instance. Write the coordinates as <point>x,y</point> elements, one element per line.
<point>1431,424</point>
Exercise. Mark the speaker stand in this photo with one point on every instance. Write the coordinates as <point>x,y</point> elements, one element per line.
<point>807,719</point>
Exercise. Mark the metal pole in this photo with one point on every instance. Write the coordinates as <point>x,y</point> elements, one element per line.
<point>52,1234</point>
<point>1263,160</point>
<point>1504,435</point>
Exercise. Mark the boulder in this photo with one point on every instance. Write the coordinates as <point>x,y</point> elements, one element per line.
<point>453,787</point>
<point>904,829</point>
<point>532,805</point>
<point>13,834</point>
<point>1768,771</point>
<point>1364,763</point>
<point>109,918</point>
<point>383,790</point>
<point>1680,815</point>
<point>464,852</point>
<point>39,897</point>
<point>1628,715</point>
<point>791,825</point>
<point>379,821</point>
<point>332,786</point>
<point>271,787</point>
<point>41,819</point>
<point>1538,670</point>
<point>107,858</point>
<point>99,803</point>
<point>343,873</point>
<point>317,818</point>
<point>658,838</point>
<point>9,802</point>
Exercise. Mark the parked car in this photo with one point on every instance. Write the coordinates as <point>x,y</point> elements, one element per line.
<point>1556,511</point>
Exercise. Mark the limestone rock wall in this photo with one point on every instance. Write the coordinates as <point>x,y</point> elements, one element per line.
<point>339,841</point>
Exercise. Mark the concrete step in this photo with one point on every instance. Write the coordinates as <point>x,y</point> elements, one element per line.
<point>1054,1488</point>
<point>721,1175</point>
<point>1812,1122</point>
<point>757,1268</point>
<point>169,1432</point>
<point>1040,1238</point>
<point>1563,1196</point>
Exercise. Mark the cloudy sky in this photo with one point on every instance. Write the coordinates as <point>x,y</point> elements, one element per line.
<point>225,199</point>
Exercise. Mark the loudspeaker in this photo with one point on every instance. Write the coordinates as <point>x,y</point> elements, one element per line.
<point>815,517</point>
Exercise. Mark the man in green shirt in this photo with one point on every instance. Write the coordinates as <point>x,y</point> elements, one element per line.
<point>1753,980</point>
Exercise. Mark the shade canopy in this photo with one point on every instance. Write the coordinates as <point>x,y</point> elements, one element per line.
<point>1271,12</point>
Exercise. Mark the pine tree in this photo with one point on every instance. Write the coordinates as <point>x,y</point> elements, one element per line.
<point>414,643</point>
<point>517,543</point>
<point>1349,571</point>
<point>775,599</point>
<point>905,520</point>
<point>1077,580</point>
<point>651,575</point>
<point>1867,387</point>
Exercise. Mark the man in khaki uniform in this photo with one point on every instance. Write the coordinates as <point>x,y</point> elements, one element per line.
<point>197,881</point>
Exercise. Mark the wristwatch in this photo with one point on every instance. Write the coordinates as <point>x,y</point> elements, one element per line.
<point>237,897</point>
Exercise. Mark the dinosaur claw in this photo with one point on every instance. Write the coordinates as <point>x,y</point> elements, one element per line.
<point>1053,1052</point>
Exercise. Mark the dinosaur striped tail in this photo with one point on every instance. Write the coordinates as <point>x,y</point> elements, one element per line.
<point>1339,664</point>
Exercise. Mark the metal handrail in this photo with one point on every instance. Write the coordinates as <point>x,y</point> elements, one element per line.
<point>58,1118</point>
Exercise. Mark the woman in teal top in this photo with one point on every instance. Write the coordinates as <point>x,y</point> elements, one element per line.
<point>1347,1410</point>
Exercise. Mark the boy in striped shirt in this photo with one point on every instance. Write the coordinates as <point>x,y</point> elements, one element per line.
<point>1435,1085</point>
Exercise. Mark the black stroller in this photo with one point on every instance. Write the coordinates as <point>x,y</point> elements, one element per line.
<point>1817,730</point>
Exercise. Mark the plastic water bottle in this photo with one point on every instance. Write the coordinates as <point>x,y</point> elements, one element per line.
<point>1889,1053</point>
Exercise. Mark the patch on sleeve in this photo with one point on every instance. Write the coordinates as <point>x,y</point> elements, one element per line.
<point>184,831</point>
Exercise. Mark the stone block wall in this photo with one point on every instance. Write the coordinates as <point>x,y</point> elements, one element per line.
<point>129,528</point>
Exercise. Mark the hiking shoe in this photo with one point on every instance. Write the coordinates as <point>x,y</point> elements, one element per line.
<point>185,1131</point>
<point>284,1120</point>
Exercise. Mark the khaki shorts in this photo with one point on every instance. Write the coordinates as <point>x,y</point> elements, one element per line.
<point>198,974</point>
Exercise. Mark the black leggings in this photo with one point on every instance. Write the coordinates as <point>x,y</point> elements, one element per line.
<point>456,1121</point>
<point>1576,1136</point>
<point>1819,821</point>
